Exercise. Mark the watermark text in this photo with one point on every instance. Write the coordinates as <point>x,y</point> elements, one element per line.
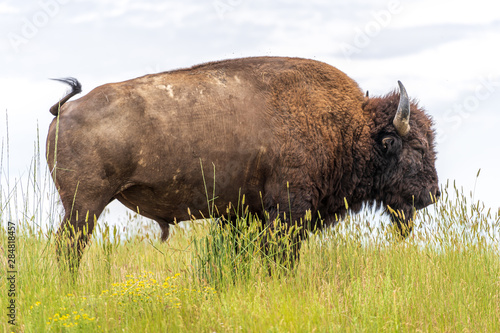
<point>364,36</point>
<point>455,116</point>
<point>11,273</point>
<point>31,25</point>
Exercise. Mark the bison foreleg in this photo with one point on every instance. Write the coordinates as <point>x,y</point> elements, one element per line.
<point>403,219</point>
<point>282,239</point>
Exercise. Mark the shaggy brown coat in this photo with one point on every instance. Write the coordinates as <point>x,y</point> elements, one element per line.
<point>252,126</point>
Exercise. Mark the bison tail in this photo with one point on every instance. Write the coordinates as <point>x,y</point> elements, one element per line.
<point>76,88</point>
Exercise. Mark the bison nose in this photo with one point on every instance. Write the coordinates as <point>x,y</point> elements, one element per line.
<point>438,194</point>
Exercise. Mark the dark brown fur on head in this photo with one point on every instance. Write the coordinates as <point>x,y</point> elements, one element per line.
<point>404,177</point>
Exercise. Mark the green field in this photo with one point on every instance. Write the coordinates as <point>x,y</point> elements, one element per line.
<point>355,277</point>
<point>206,278</point>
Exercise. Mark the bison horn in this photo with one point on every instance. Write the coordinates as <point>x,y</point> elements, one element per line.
<point>402,118</point>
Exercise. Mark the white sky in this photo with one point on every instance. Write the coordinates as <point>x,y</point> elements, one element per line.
<point>445,52</point>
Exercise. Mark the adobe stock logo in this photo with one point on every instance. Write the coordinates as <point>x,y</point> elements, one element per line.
<point>222,7</point>
<point>364,36</point>
<point>32,24</point>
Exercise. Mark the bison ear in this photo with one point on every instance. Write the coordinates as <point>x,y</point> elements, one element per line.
<point>390,144</point>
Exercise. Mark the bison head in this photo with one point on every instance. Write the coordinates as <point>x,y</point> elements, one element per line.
<point>404,175</point>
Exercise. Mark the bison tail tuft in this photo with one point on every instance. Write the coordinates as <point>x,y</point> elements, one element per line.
<point>76,88</point>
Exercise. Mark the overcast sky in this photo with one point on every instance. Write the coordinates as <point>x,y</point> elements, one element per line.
<point>447,54</point>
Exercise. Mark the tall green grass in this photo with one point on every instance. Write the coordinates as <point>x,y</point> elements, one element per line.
<point>214,277</point>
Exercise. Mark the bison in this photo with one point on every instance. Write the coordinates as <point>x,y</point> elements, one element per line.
<point>290,134</point>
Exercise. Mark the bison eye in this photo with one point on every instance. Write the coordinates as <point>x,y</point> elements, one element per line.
<point>390,144</point>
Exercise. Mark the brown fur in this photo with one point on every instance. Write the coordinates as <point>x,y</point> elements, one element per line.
<point>254,123</point>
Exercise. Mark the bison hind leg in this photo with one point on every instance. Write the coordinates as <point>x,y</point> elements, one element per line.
<point>75,232</point>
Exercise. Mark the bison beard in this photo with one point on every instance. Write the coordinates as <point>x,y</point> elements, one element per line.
<point>290,134</point>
